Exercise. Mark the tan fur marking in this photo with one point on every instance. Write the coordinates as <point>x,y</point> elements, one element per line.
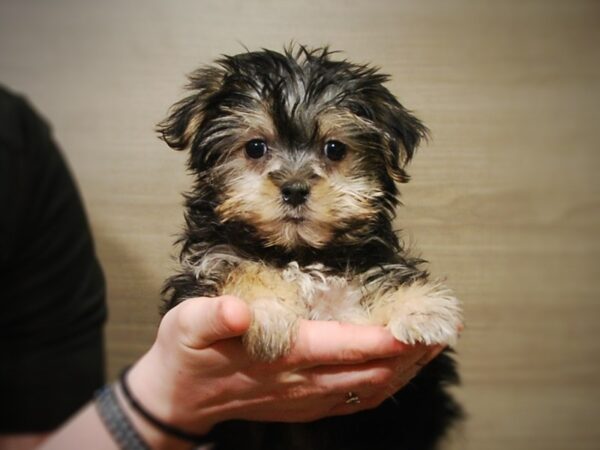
<point>334,121</point>
<point>254,280</point>
<point>421,312</point>
<point>192,127</point>
<point>256,122</point>
<point>275,306</point>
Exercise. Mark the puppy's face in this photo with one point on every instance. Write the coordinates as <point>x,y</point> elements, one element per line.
<point>304,149</point>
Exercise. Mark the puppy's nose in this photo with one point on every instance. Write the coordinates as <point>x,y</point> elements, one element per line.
<point>295,192</point>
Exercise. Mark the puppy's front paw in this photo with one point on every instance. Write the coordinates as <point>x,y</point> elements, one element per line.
<point>426,313</point>
<point>273,329</point>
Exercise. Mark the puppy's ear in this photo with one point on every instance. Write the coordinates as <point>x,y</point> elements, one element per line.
<point>409,131</point>
<point>404,133</point>
<point>186,116</point>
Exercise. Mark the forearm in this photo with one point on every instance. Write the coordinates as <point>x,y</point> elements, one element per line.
<point>22,441</point>
<point>87,428</point>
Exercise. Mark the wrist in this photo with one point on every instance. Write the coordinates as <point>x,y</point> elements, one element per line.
<point>159,386</point>
<point>155,438</point>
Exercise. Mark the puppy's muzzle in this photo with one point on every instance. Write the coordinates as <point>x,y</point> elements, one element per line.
<point>295,193</point>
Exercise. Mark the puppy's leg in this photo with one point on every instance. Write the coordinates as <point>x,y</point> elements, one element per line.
<point>275,306</point>
<point>422,311</point>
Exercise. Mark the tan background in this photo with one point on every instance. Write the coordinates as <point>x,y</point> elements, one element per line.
<point>504,199</point>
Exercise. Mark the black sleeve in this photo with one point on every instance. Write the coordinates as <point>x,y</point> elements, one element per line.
<point>52,295</point>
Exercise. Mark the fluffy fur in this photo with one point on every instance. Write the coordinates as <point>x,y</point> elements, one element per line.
<point>297,159</point>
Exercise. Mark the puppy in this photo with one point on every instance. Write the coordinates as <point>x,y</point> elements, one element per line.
<point>297,158</point>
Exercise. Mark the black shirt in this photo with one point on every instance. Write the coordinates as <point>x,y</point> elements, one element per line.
<point>52,295</point>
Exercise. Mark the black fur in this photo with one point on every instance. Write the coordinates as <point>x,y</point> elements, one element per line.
<point>420,413</point>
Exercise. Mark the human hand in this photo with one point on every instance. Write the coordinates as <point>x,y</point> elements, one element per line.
<point>198,373</point>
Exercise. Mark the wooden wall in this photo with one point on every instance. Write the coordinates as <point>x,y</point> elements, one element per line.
<point>504,199</point>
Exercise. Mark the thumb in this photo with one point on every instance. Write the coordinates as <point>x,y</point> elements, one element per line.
<point>200,322</point>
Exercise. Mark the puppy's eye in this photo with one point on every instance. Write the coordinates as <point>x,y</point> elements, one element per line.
<point>335,150</point>
<point>256,148</point>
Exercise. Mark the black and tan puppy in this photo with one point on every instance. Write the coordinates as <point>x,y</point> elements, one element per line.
<point>297,159</point>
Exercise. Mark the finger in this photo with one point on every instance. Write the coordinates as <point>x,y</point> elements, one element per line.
<point>370,376</point>
<point>331,342</point>
<point>409,372</point>
<point>430,355</point>
<point>364,377</point>
<point>402,380</point>
<point>368,399</point>
<point>201,322</point>
<point>344,404</point>
<point>374,381</point>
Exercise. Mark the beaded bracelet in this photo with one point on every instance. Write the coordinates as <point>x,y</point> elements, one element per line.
<point>162,426</point>
<point>116,422</point>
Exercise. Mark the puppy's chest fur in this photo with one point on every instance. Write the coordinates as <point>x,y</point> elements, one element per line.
<point>395,294</point>
<point>313,291</point>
